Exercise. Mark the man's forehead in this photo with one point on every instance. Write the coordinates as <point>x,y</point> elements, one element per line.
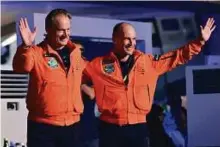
<point>129,31</point>
<point>127,26</point>
<point>62,21</point>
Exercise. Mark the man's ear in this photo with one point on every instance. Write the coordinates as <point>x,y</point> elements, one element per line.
<point>49,30</point>
<point>114,40</point>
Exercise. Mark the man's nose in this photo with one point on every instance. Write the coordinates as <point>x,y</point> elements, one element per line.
<point>128,45</point>
<point>66,33</point>
<point>133,42</point>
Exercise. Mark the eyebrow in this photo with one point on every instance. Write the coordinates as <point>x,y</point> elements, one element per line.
<point>131,38</point>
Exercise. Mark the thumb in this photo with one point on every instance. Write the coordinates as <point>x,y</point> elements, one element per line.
<point>201,28</point>
<point>35,32</point>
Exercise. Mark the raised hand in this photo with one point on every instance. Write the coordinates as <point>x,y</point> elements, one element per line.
<point>27,36</point>
<point>207,30</point>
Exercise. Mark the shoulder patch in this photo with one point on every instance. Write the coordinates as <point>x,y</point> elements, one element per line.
<point>108,65</point>
<point>108,68</point>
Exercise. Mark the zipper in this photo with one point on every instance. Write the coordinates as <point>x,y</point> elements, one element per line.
<point>103,96</point>
<point>135,61</point>
<point>126,88</point>
<point>148,92</point>
<point>44,83</point>
<point>67,92</point>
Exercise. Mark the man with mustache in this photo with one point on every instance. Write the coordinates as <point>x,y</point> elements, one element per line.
<point>125,80</point>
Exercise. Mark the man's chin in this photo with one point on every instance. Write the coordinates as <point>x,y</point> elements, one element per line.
<point>63,43</point>
<point>129,52</point>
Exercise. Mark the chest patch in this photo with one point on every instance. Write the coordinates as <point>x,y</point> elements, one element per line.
<point>108,65</point>
<point>52,62</point>
<point>108,68</point>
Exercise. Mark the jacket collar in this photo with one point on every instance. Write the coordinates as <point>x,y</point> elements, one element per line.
<point>111,57</point>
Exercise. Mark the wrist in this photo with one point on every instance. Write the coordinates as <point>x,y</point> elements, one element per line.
<point>26,46</point>
<point>202,41</point>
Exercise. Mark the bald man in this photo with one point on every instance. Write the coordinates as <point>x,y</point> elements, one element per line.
<point>124,81</point>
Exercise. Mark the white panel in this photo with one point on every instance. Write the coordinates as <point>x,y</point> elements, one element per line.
<point>14,122</point>
<point>202,110</point>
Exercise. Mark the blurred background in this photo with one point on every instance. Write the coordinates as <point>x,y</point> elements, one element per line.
<point>188,95</point>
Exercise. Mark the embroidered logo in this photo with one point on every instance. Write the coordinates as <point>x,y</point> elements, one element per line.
<point>109,68</point>
<point>52,62</point>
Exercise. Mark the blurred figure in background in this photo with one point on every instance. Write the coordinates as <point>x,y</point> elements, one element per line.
<point>171,128</point>
<point>157,133</point>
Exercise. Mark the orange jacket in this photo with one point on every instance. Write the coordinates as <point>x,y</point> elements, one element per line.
<point>53,96</point>
<point>128,104</point>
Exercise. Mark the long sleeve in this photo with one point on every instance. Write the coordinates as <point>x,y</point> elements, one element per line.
<point>175,58</point>
<point>87,76</point>
<point>23,60</point>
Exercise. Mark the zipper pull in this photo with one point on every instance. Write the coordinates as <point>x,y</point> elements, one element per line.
<point>44,83</point>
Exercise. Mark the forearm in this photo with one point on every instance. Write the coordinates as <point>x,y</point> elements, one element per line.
<point>23,60</point>
<point>186,53</point>
<point>178,57</point>
<point>88,91</point>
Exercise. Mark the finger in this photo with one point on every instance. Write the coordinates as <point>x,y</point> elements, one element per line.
<point>20,26</point>
<point>212,22</point>
<point>207,22</point>
<point>21,33</point>
<point>22,23</point>
<point>213,28</point>
<point>26,23</point>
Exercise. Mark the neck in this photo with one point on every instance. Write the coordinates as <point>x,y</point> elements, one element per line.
<point>122,58</point>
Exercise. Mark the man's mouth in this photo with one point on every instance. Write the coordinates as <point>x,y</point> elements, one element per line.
<point>63,39</point>
<point>128,46</point>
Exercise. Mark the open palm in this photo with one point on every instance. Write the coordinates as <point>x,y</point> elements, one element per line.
<point>207,30</point>
<point>27,36</point>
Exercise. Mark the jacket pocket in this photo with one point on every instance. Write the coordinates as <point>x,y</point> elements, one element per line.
<point>77,102</point>
<point>142,97</point>
<point>52,98</point>
<point>112,97</point>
